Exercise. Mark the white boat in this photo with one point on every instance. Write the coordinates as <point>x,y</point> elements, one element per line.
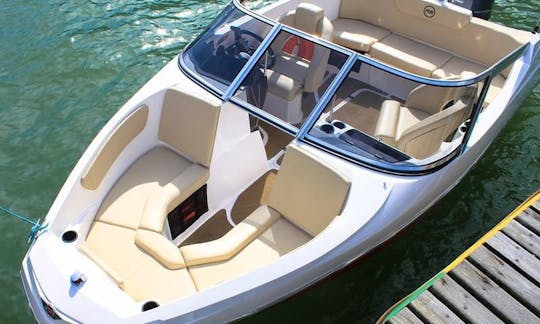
<point>277,148</point>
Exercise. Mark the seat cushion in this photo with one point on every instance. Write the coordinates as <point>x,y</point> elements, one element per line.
<point>307,17</point>
<point>283,86</point>
<point>387,122</point>
<point>409,55</point>
<point>189,123</point>
<point>357,34</point>
<point>143,278</point>
<point>454,68</point>
<point>279,239</point>
<point>125,202</point>
<point>231,243</point>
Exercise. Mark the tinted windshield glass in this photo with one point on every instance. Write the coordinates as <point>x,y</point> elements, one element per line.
<point>291,77</point>
<point>221,52</point>
<point>383,117</point>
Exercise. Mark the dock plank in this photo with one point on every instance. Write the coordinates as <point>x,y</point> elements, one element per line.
<point>405,316</point>
<point>432,310</point>
<point>462,302</point>
<point>531,219</point>
<point>491,295</point>
<point>516,255</point>
<point>536,205</point>
<point>507,277</point>
<point>527,239</point>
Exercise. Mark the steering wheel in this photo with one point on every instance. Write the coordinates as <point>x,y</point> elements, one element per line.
<point>242,47</point>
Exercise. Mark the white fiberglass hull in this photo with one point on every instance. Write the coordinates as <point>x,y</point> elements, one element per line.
<point>379,205</point>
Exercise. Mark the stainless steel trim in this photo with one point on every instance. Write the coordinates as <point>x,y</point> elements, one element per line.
<point>267,41</point>
<point>495,70</point>
<point>329,93</point>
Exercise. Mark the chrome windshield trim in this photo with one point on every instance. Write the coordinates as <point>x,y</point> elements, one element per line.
<point>303,133</point>
<point>327,96</point>
<point>494,70</point>
<point>197,78</point>
<point>250,64</point>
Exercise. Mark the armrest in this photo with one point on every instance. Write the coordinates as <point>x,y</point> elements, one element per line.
<point>387,121</point>
<point>160,248</point>
<point>165,199</point>
<point>233,242</point>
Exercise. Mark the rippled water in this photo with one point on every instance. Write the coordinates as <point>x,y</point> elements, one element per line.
<point>66,66</point>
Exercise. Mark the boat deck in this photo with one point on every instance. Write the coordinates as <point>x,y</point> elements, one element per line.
<point>497,280</point>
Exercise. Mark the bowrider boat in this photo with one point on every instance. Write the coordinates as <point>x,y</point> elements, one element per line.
<point>278,147</point>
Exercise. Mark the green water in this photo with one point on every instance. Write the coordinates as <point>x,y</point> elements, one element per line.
<point>66,66</point>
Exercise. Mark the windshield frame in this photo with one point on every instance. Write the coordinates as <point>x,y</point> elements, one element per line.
<point>302,133</point>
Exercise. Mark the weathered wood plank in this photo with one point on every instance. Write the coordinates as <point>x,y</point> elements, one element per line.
<point>516,255</point>
<point>432,310</point>
<point>530,219</point>
<point>536,205</point>
<point>405,316</point>
<point>512,281</point>
<point>527,239</point>
<point>491,295</point>
<point>462,302</point>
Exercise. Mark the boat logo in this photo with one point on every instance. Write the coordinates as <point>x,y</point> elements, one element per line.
<point>429,11</point>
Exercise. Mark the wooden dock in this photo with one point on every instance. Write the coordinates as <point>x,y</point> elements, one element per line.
<point>497,280</point>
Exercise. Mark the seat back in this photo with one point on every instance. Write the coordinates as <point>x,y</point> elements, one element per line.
<point>307,192</point>
<point>189,124</point>
<point>429,99</point>
<point>425,137</point>
<point>311,19</point>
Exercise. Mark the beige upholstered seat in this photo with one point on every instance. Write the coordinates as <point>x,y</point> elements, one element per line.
<point>126,239</point>
<point>307,195</point>
<point>457,67</point>
<point>292,75</point>
<point>113,248</point>
<point>357,34</point>
<point>124,204</point>
<point>409,55</point>
<point>429,117</point>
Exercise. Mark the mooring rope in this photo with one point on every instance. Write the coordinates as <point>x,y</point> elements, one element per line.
<point>36,228</point>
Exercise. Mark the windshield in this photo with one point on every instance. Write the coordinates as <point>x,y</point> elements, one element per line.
<point>344,102</point>
<point>221,52</point>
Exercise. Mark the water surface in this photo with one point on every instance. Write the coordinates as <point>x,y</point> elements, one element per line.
<point>66,67</point>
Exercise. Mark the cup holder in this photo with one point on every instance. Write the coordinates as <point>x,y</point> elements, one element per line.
<point>69,236</point>
<point>338,124</point>
<point>327,128</point>
<point>149,305</point>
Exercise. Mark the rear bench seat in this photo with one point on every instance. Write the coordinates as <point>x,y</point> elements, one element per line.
<point>126,238</point>
<point>444,46</point>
